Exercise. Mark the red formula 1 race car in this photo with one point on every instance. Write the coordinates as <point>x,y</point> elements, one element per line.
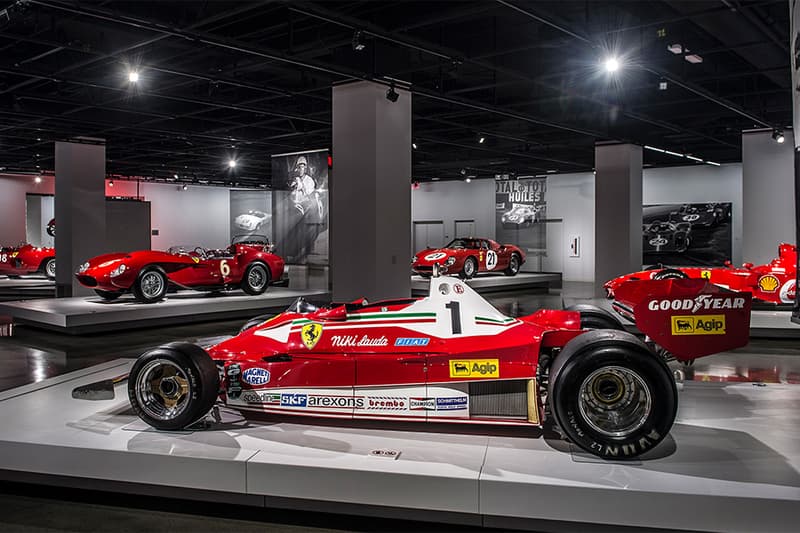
<point>452,357</point>
<point>28,259</point>
<point>467,257</point>
<point>248,264</point>
<point>775,282</point>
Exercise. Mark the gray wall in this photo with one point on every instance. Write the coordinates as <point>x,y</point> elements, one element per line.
<point>449,201</point>
<point>127,226</point>
<point>13,191</point>
<point>768,209</point>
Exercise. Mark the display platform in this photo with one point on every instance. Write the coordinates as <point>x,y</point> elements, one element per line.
<point>91,314</point>
<point>763,324</point>
<point>34,286</point>
<point>731,463</point>
<point>484,283</point>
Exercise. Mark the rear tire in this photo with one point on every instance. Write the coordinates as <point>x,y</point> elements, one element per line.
<point>611,395</point>
<point>49,268</point>
<point>151,285</point>
<point>670,273</point>
<point>470,268</point>
<point>107,295</point>
<point>513,266</point>
<point>256,279</point>
<point>173,386</point>
<point>593,317</point>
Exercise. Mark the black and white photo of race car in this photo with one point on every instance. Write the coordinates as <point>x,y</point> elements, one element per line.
<point>707,215</point>
<point>520,215</point>
<point>252,220</point>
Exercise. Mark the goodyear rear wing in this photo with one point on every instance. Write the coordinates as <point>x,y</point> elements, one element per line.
<point>689,318</point>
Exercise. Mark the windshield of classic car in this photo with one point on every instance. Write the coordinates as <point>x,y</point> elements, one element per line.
<point>186,249</point>
<point>464,243</point>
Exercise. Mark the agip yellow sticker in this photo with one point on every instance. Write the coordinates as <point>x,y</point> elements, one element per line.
<point>474,368</point>
<point>698,325</point>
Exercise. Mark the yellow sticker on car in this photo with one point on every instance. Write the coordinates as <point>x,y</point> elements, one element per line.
<point>698,325</point>
<point>474,368</point>
<point>310,333</point>
<point>705,274</point>
<point>768,283</point>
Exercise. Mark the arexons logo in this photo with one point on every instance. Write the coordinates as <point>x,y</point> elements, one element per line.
<point>704,302</point>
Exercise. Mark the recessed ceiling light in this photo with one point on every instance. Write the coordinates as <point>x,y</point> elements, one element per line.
<point>133,76</point>
<point>232,163</point>
<point>612,64</point>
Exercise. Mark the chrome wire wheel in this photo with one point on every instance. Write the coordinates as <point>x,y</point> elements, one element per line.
<point>152,284</point>
<point>162,389</point>
<point>614,401</point>
<point>469,268</point>
<point>256,278</point>
<point>50,268</point>
<point>514,265</point>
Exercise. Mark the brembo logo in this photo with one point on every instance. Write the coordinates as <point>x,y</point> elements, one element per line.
<point>704,302</point>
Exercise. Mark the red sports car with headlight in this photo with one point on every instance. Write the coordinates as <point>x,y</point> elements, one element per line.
<point>467,257</point>
<point>775,282</point>
<point>28,259</point>
<point>452,357</point>
<point>247,264</point>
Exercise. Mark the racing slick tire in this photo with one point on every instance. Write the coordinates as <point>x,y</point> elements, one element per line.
<point>593,317</point>
<point>470,268</point>
<point>107,295</point>
<point>256,279</point>
<point>611,395</point>
<point>173,386</point>
<point>670,273</point>
<point>49,267</point>
<point>150,285</point>
<point>513,266</point>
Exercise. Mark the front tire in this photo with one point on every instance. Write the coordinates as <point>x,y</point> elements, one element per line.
<point>611,395</point>
<point>256,279</point>
<point>108,296</point>
<point>151,285</point>
<point>470,268</point>
<point>173,386</point>
<point>513,266</point>
<point>49,268</point>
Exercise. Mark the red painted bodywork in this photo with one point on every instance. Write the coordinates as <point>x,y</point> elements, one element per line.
<point>206,269</point>
<point>358,363</point>
<point>24,259</point>
<point>774,282</point>
<point>477,248</point>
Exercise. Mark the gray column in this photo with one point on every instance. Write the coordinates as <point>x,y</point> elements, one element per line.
<point>767,195</point>
<point>618,210</point>
<point>370,193</point>
<point>80,210</point>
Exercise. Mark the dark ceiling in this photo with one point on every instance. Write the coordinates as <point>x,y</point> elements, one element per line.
<point>221,79</point>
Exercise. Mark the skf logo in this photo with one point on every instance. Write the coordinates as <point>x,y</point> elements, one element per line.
<point>768,283</point>
<point>698,325</point>
<point>310,333</point>
<point>475,368</point>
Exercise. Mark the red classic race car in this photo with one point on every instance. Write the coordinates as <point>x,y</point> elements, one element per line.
<point>248,264</point>
<point>775,282</point>
<point>28,259</point>
<point>467,257</point>
<point>452,357</point>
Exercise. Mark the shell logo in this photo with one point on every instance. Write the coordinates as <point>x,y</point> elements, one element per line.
<point>768,283</point>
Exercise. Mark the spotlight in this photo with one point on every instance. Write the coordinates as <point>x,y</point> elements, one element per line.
<point>391,94</point>
<point>777,135</point>
<point>414,146</point>
<point>185,187</point>
<point>662,86</point>
<point>37,179</point>
<point>358,43</point>
<point>467,179</point>
<point>232,163</point>
<point>133,76</point>
<point>175,176</point>
<point>111,183</point>
<point>463,171</point>
<point>612,64</point>
<point>481,139</point>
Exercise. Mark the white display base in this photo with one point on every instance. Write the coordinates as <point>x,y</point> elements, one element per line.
<point>89,314</point>
<point>732,462</point>
<point>497,282</point>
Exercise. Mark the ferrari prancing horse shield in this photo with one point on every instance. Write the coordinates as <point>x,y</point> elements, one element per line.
<point>310,333</point>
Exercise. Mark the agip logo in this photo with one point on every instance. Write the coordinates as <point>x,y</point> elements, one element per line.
<point>474,368</point>
<point>768,283</point>
<point>698,325</point>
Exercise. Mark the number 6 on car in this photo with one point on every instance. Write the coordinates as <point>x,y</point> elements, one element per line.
<point>452,357</point>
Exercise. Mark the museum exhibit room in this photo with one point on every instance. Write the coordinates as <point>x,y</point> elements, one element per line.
<point>329,266</point>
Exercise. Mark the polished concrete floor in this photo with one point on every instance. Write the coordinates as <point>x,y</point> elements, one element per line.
<point>31,355</point>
